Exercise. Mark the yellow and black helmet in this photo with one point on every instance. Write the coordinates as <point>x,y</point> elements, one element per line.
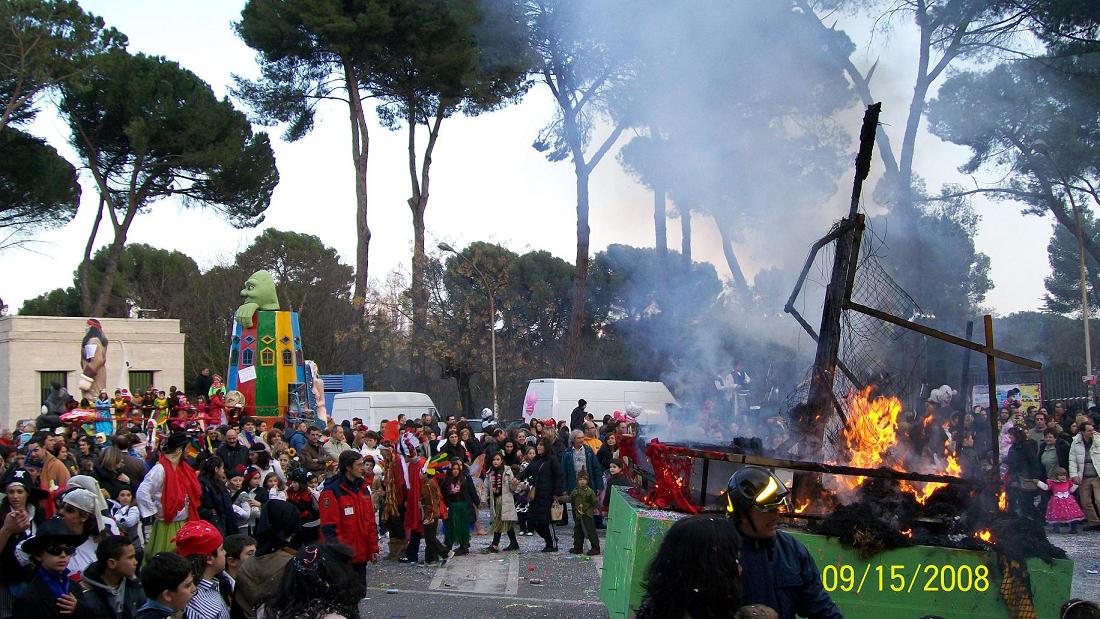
<point>757,488</point>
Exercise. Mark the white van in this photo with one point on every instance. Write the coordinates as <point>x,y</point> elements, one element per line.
<point>555,398</point>
<point>374,406</point>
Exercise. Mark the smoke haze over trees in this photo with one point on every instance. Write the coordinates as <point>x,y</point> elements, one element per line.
<point>741,113</point>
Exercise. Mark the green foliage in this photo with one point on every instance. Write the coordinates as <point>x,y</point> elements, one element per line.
<point>304,48</point>
<point>574,54</point>
<point>38,188</point>
<point>150,129</point>
<point>45,42</point>
<point>466,56</point>
<point>1063,285</point>
<point>57,302</point>
<point>1054,339</point>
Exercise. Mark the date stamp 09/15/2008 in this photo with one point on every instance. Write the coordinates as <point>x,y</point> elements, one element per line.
<point>901,578</point>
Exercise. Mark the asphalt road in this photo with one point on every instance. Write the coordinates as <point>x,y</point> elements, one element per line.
<point>513,585</point>
<point>506,585</point>
<point>1084,549</point>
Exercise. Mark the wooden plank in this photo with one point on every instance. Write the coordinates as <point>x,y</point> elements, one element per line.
<point>814,467</point>
<point>944,337</point>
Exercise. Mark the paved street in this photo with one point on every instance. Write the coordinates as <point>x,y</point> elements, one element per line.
<point>504,585</point>
<point>516,585</point>
<point>1084,549</point>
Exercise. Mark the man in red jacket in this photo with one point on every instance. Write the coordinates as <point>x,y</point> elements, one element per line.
<point>347,512</point>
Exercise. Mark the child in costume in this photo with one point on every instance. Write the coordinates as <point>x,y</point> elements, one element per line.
<point>121,405</point>
<point>50,592</point>
<point>216,400</point>
<point>432,510</point>
<point>456,489</point>
<point>1062,508</point>
<point>103,414</point>
<point>160,404</point>
<point>170,493</point>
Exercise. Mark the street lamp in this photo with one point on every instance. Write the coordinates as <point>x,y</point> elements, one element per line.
<point>1041,148</point>
<point>492,314</point>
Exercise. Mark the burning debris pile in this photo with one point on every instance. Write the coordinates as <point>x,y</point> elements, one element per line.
<point>886,516</point>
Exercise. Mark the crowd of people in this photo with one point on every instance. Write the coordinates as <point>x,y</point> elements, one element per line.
<point>170,511</point>
<point>161,513</point>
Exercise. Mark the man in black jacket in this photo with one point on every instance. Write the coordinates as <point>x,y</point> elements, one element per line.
<point>233,452</point>
<point>110,586</point>
<point>576,418</point>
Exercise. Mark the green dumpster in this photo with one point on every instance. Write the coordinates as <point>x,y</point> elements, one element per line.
<point>904,583</point>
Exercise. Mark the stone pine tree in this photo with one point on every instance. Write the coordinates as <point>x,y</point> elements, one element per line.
<point>148,129</point>
<point>1031,126</point>
<point>1063,285</point>
<point>311,51</point>
<point>581,71</point>
<point>454,56</point>
<point>42,44</point>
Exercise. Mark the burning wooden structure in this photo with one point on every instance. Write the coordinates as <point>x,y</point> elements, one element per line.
<point>889,504</point>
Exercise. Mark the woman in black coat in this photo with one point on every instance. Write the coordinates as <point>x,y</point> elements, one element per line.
<point>545,479</point>
<point>217,505</point>
<point>1023,466</point>
<point>454,449</point>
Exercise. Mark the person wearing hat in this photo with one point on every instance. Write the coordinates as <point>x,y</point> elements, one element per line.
<point>277,537</point>
<point>50,592</point>
<point>347,512</point>
<point>21,516</point>
<point>200,542</point>
<point>170,494</point>
<point>299,495</point>
<point>777,569</point>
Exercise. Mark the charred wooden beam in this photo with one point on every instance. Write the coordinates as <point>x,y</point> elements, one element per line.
<point>815,467</point>
<point>943,337</point>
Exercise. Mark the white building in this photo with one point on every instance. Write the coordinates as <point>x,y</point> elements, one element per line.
<point>36,350</point>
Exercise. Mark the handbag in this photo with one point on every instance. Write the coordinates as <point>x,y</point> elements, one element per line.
<point>557,511</point>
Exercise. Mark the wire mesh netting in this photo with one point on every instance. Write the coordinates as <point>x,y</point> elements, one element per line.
<point>872,351</point>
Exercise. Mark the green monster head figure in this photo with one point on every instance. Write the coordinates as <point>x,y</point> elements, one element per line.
<point>259,294</point>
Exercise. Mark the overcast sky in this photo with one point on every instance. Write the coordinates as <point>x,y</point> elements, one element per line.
<point>488,183</point>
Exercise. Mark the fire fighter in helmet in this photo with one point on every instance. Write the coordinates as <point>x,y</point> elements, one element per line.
<point>777,570</point>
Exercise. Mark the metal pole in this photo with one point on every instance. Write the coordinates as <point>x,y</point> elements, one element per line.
<point>493,340</point>
<point>1084,288</point>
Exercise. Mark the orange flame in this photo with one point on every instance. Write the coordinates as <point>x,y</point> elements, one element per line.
<point>908,533</point>
<point>871,430</point>
<point>1002,501</point>
<point>922,491</point>
<point>985,536</point>
<point>801,507</point>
